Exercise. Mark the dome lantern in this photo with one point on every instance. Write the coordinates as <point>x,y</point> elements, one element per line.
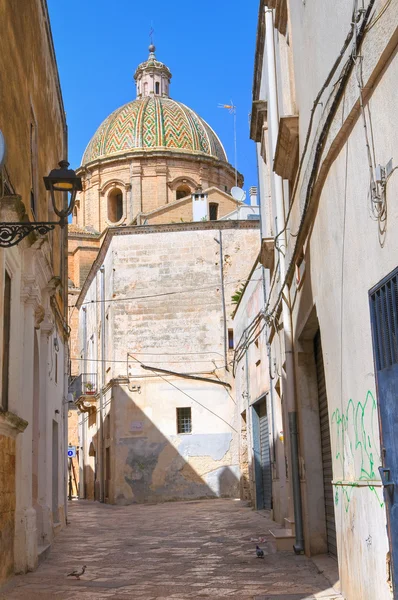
<point>152,77</point>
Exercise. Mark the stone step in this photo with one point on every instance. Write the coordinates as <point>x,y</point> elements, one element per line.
<point>290,524</point>
<point>57,528</point>
<point>284,539</point>
<point>43,552</point>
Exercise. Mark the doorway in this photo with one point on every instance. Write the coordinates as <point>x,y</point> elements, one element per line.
<point>55,474</point>
<point>384,321</point>
<point>326,448</point>
<point>262,455</point>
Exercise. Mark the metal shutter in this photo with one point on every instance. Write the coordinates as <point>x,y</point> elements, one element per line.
<point>326,448</point>
<point>384,311</point>
<point>265,455</point>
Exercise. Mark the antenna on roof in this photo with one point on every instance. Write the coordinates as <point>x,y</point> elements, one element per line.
<point>232,111</point>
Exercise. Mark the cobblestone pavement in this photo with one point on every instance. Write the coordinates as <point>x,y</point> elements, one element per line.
<point>176,551</point>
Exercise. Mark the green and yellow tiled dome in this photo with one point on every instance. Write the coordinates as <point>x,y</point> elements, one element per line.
<point>153,123</point>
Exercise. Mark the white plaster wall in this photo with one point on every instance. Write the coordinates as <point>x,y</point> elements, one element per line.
<point>344,259</point>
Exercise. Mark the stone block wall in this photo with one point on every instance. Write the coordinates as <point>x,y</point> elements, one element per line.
<point>147,183</point>
<point>165,309</point>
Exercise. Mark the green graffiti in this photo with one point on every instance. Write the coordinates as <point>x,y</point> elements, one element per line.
<point>355,441</point>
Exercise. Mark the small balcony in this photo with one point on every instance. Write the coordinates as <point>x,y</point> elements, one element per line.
<point>85,384</point>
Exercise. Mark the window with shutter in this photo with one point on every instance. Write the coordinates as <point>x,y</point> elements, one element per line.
<point>384,312</point>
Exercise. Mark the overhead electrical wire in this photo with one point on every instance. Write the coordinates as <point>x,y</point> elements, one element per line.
<point>346,71</point>
<point>268,312</point>
<point>189,396</point>
<point>172,293</point>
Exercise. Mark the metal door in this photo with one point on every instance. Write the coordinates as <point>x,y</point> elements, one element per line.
<point>257,458</point>
<point>384,320</point>
<point>265,455</point>
<point>326,448</point>
<point>262,456</point>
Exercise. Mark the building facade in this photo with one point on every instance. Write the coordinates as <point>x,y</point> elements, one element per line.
<point>156,393</point>
<point>33,289</point>
<point>141,167</point>
<point>153,268</point>
<point>327,146</point>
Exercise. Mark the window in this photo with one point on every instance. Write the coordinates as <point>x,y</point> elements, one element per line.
<point>184,420</point>
<point>6,341</point>
<point>384,313</point>
<point>213,211</point>
<point>182,191</point>
<point>230,339</point>
<point>115,205</point>
<point>157,88</point>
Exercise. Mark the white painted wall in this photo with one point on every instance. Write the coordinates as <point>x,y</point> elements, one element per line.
<point>344,256</point>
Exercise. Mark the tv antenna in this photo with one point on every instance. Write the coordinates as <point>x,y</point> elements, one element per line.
<point>232,111</point>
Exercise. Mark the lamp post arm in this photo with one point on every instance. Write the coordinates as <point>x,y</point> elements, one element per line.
<point>13,233</point>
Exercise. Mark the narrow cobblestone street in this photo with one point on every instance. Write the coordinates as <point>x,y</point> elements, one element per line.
<point>183,550</point>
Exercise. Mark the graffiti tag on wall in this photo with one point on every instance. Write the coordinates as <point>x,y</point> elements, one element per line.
<point>357,443</point>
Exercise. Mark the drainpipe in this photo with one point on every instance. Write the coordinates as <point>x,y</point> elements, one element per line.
<point>65,413</point>
<point>82,436</point>
<point>269,351</point>
<point>271,389</point>
<point>289,387</point>
<point>249,427</point>
<point>224,312</point>
<point>101,431</point>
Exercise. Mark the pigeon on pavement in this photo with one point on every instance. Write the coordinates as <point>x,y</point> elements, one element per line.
<point>259,552</point>
<point>76,573</point>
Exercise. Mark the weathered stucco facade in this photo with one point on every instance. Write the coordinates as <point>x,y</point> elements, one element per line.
<point>163,309</point>
<point>33,286</point>
<point>333,217</point>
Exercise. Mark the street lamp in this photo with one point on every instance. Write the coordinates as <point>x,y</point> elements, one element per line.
<point>60,183</point>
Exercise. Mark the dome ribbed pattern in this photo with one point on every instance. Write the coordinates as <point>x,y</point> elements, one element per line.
<point>153,123</point>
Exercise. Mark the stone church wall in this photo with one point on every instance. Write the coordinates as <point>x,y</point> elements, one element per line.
<point>164,309</point>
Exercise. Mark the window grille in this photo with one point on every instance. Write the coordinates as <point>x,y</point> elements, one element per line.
<point>184,420</point>
<point>384,316</point>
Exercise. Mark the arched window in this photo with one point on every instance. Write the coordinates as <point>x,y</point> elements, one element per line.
<point>157,88</point>
<point>75,214</point>
<point>182,191</point>
<point>115,205</point>
<point>213,211</point>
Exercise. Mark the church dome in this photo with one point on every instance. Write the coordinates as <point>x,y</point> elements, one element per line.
<point>154,123</point>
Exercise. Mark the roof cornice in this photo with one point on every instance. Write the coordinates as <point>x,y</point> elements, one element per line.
<point>154,153</point>
<point>259,52</point>
<point>53,57</point>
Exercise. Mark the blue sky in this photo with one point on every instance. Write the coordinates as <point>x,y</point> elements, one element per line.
<point>208,46</point>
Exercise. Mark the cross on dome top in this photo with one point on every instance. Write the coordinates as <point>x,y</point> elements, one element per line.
<point>152,77</point>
